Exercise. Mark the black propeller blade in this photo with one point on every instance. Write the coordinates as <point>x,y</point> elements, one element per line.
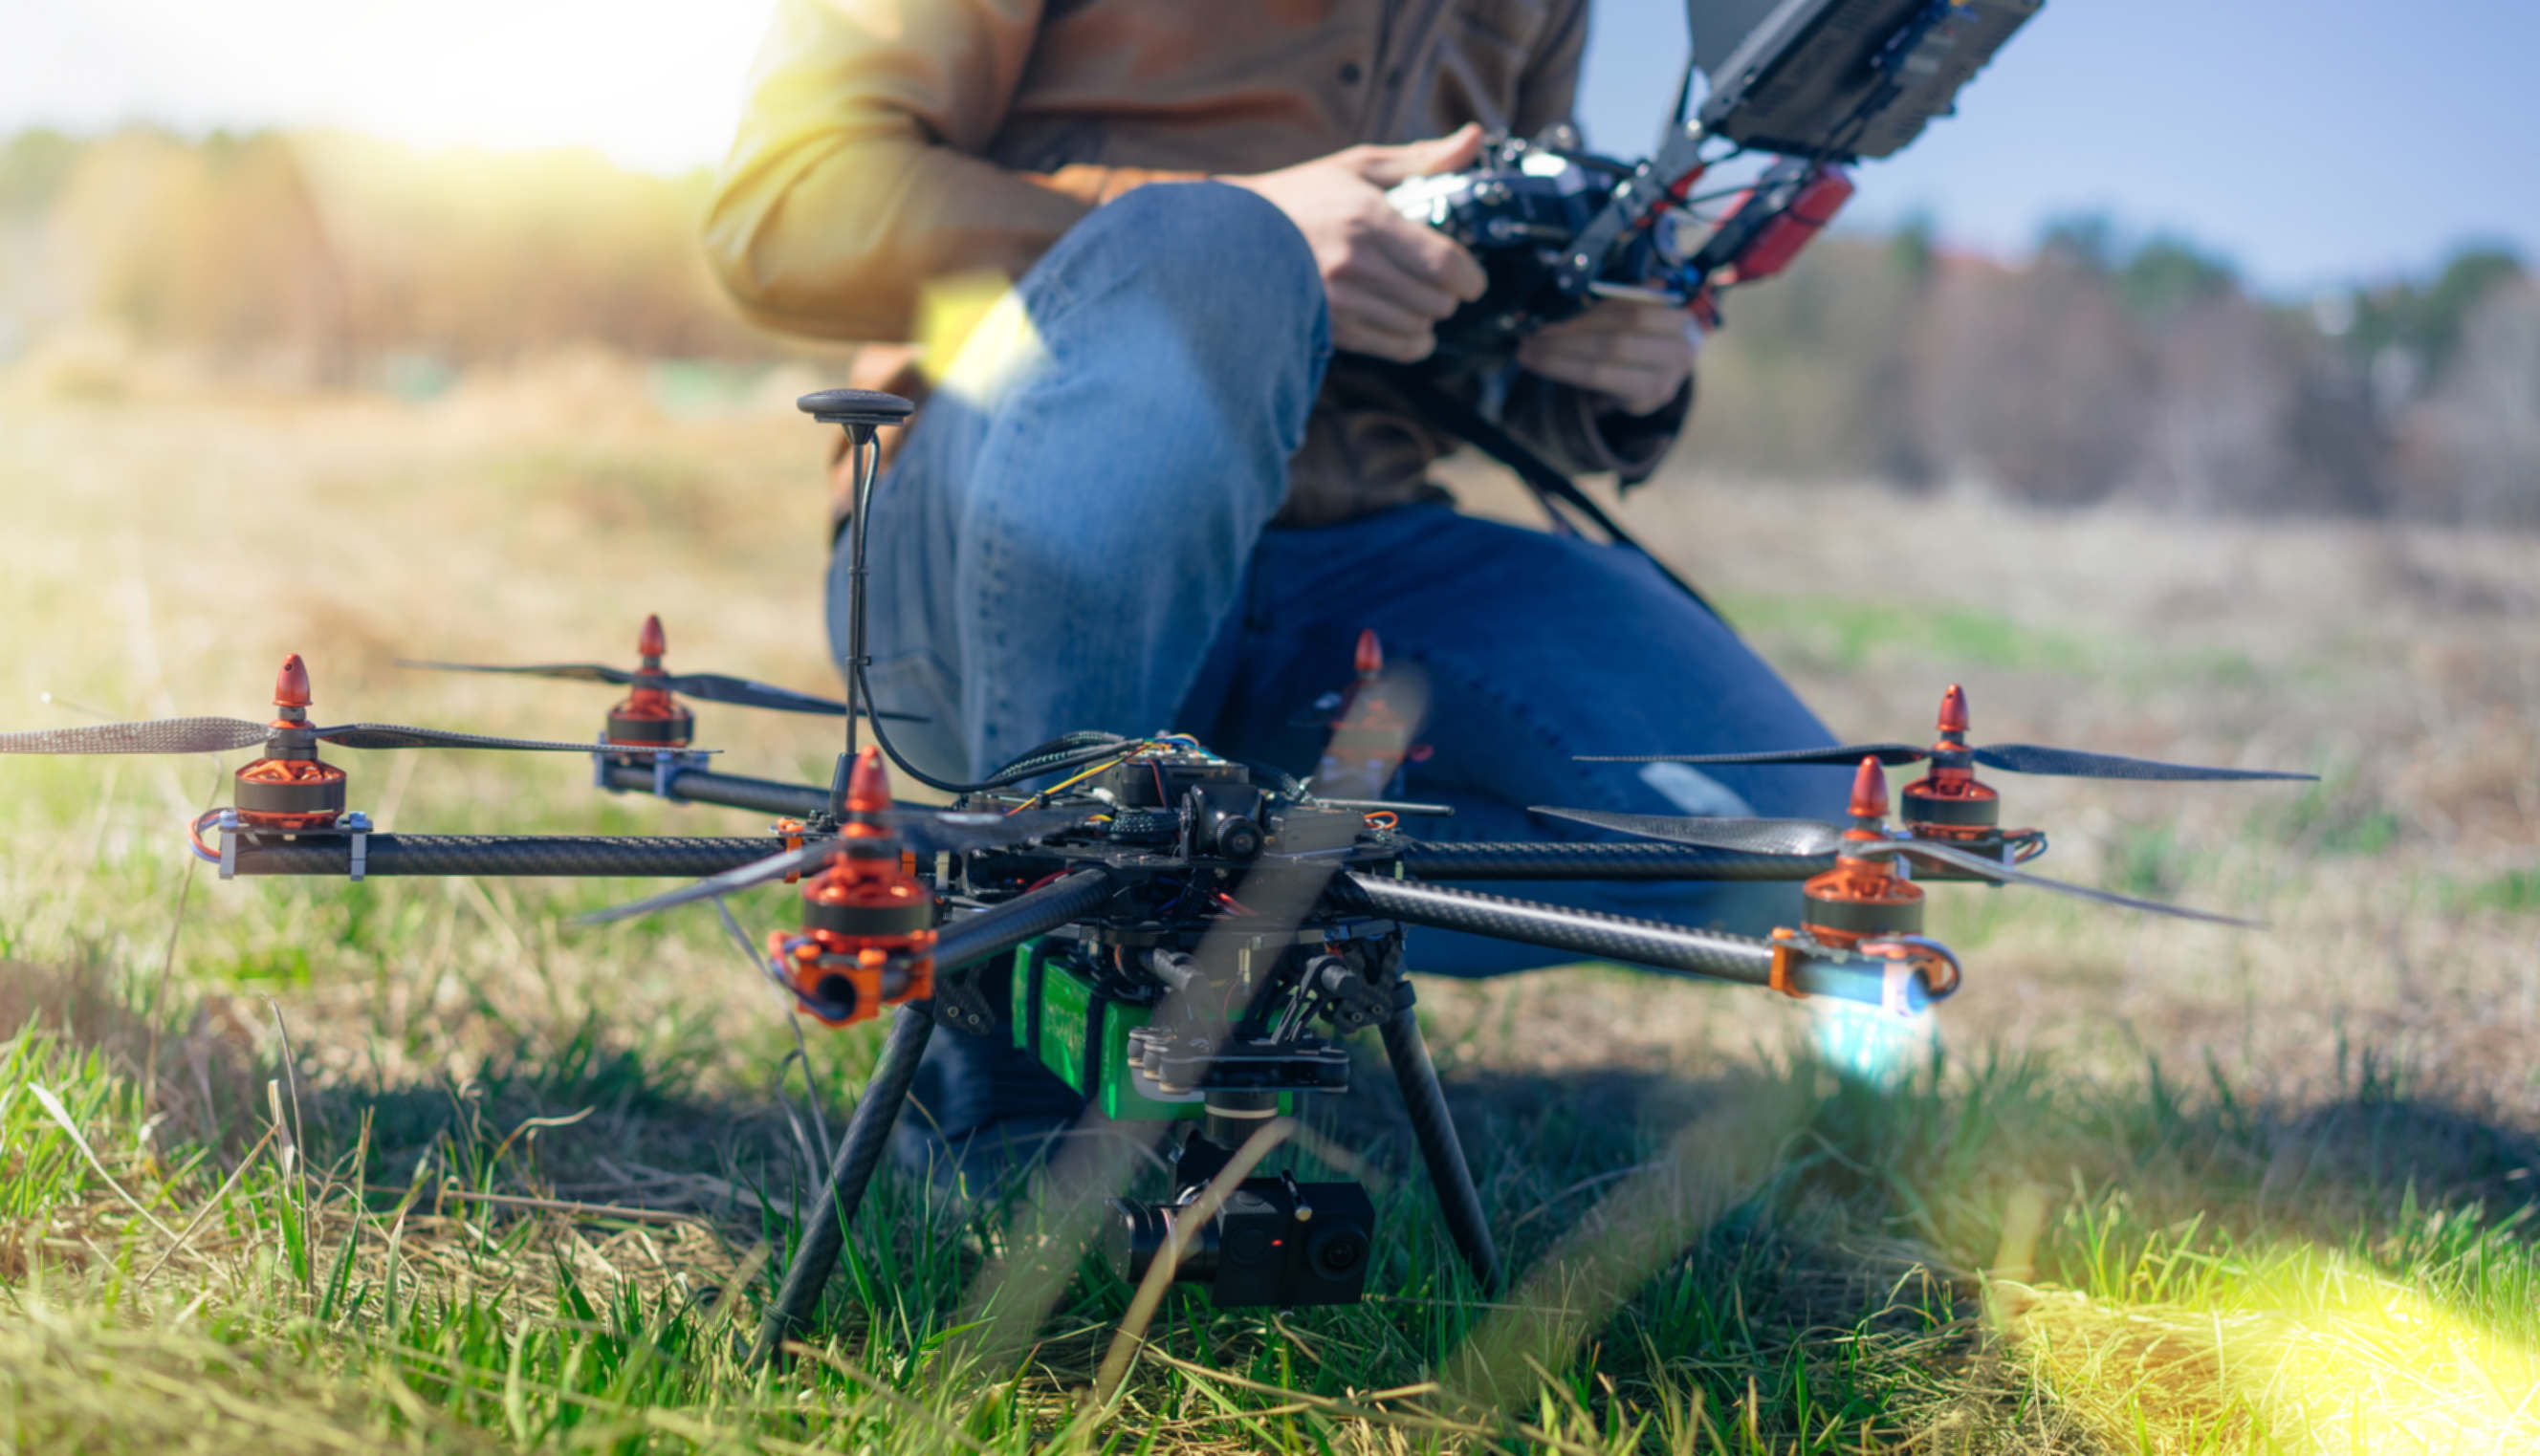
<point>398,735</point>
<point>706,687</point>
<point>221,734</point>
<point>568,671</point>
<point>2013,758</point>
<point>158,735</point>
<point>1805,837</point>
<point>956,832</point>
<point>926,832</point>
<point>1995,870</point>
<point>1842,755</point>
<point>2071,763</point>
<point>717,687</point>
<point>757,871</point>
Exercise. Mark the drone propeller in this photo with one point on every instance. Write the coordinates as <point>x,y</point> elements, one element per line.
<point>2014,758</point>
<point>1811,837</point>
<point>221,734</point>
<point>1978,864</point>
<point>925,832</point>
<point>158,735</point>
<point>1800,838</point>
<point>707,687</point>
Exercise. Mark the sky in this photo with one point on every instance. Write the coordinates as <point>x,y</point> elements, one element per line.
<point>2313,142</point>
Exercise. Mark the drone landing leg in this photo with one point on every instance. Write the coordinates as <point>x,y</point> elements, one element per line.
<point>867,1134</point>
<point>1458,1202</point>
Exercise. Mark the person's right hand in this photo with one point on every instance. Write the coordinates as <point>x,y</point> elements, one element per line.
<point>1388,279</point>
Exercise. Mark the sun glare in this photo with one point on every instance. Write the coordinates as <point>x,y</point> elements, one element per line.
<point>653,84</point>
<point>2308,1354</point>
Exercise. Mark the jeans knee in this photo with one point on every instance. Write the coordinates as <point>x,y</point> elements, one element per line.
<point>1223,260</point>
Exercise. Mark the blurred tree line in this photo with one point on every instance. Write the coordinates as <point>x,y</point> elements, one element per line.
<point>2104,366</point>
<point>335,260</point>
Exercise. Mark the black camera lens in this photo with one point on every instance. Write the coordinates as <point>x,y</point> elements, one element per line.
<point>1238,838</point>
<point>1135,1234</point>
<point>1336,1250</point>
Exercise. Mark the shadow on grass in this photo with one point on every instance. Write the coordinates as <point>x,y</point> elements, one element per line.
<point>1826,1282</point>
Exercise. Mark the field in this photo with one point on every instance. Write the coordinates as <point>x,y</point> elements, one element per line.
<point>414,1164</point>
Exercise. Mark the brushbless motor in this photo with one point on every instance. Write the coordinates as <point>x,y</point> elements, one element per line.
<point>650,717</point>
<point>1862,897</point>
<point>867,937</point>
<point>1949,802</point>
<point>291,789</point>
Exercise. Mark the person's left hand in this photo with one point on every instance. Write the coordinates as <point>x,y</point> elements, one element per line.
<point>1636,354</point>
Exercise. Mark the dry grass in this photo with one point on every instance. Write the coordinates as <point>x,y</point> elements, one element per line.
<point>2355,1077</point>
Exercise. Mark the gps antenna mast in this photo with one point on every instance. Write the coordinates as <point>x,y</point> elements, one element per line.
<point>862,412</point>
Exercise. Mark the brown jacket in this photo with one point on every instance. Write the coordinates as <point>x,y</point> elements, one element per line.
<point>887,142</point>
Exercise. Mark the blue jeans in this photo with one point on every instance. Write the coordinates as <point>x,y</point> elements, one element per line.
<point>1077,536</point>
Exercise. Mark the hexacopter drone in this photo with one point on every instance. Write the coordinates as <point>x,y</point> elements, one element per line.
<point>1180,937</point>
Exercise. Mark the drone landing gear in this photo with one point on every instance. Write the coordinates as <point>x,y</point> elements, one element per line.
<point>823,1235</point>
<point>868,1135</point>
<point>1460,1203</point>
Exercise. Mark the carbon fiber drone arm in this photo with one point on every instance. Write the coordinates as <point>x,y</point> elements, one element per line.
<point>1709,953</point>
<point>1003,926</point>
<point>732,790</point>
<point>1610,861</point>
<point>633,856</point>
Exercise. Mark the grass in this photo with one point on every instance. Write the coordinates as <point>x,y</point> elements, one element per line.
<point>273,1190</point>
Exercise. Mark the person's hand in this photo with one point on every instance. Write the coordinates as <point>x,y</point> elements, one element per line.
<point>1388,279</point>
<point>1636,354</point>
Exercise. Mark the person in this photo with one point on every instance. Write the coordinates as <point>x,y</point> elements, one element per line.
<point>1162,480</point>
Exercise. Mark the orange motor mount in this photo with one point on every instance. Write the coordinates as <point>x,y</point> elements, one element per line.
<point>1949,802</point>
<point>291,789</point>
<point>650,718</point>
<point>1860,897</point>
<point>867,937</point>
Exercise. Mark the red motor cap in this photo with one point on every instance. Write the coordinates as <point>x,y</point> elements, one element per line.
<point>1870,791</point>
<point>291,685</point>
<point>1370,654</point>
<point>869,784</point>
<point>650,643</point>
<point>1954,710</point>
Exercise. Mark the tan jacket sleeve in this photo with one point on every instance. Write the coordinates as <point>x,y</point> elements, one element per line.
<point>1550,86</point>
<point>855,176</point>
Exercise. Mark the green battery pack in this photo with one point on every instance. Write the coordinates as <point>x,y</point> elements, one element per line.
<point>1067,1025</point>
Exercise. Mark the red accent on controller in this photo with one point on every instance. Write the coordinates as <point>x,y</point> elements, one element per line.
<point>1780,240</point>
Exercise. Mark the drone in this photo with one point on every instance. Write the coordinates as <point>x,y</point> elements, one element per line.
<point>1183,938</point>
